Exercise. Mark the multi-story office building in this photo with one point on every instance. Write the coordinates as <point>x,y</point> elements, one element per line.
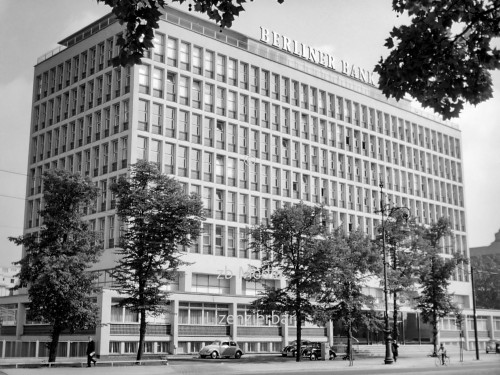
<point>250,125</point>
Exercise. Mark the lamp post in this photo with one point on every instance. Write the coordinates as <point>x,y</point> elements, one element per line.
<point>387,330</point>
<point>476,341</point>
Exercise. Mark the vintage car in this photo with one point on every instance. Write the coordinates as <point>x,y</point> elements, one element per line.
<point>313,351</point>
<point>291,349</point>
<point>493,346</point>
<point>220,349</point>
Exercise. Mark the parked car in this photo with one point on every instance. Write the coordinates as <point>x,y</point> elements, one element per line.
<point>220,349</point>
<point>313,351</point>
<point>493,346</point>
<point>291,349</point>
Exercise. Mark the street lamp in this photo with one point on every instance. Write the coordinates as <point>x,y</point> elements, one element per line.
<point>387,330</point>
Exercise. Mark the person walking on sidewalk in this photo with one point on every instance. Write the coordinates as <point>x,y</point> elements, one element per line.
<point>395,353</point>
<point>442,353</point>
<point>90,352</point>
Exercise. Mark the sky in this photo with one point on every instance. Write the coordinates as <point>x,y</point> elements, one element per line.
<point>350,30</point>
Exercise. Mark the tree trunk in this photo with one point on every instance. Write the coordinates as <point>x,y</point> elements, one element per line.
<point>142,333</point>
<point>298,355</point>
<point>56,332</point>
<point>395,330</point>
<point>434,334</point>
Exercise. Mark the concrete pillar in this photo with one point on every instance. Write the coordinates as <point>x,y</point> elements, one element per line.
<point>490,327</point>
<point>174,327</point>
<point>466,329</point>
<point>233,320</point>
<point>329,332</point>
<point>3,348</point>
<point>237,284</point>
<point>20,318</point>
<point>103,330</point>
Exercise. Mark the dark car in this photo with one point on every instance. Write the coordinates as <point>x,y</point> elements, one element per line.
<point>493,346</point>
<point>313,351</point>
<point>291,349</point>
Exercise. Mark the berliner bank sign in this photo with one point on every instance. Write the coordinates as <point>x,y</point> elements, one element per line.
<point>316,56</point>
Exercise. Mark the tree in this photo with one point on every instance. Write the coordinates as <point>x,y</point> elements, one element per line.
<point>159,218</point>
<point>349,261</point>
<point>141,18</point>
<point>402,244</point>
<point>435,301</point>
<point>58,257</point>
<point>444,56</point>
<point>487,281</point>
<point>290,246</point>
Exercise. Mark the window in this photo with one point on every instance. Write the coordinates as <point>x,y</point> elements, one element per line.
<point>243,245</point>
<point>221,101</point>
<point>219,170</point>
<point>243,72</point>
<point>182,160</point>
<point>231,72</point>
<point>195,163</point>
<point>243,108</point>
<point>231,172</point>
<point>209,97</point>
<point>183,134</point>
<point>184,56</point>
<point>196,94</point>
<point>207,201</point>
<point>221,68</point>
<point>142,148</point>
<point>254,79</point>
<point>168,158</point>
<point>184,90</point>
<point>208,129</point>
<point>209,64</point>
<point>231,241</point>
<point>195,128</point>
<point>219,205</point>
<point>158,83</point>
<point>172,52</point>
<point>143,115</point>
<point>220,135</point>
<point>231,104</point>
<point>207,166</point>
<point>219,239</point>
<point>159,47</point>
<point>208,284</point>
<point>170,122</point>
<point>171,91</point>
<point>144,78</point>
<point>197,60</point>
<point>157,119</point>
<point>207,240</point>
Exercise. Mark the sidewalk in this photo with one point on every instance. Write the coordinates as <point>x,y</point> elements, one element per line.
<point>190,366</point>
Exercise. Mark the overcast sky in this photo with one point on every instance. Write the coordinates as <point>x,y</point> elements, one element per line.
<point>349,30</point>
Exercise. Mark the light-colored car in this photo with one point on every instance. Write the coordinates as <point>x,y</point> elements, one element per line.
<point>493,346</point>
<point>220,349</point>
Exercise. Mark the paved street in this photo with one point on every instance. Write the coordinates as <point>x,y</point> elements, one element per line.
<point>414,364</point>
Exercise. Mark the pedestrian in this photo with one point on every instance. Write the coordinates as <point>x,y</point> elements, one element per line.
<point>442,353</point>
<point>90,352</point>
<point>395,353</point>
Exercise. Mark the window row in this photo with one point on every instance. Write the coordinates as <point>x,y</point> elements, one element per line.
<point>249,173</point>
<point>81,98</point>
<point>82,65</point>
<point>85,130</point>
<point>187,57</point>
<point>189,126</point>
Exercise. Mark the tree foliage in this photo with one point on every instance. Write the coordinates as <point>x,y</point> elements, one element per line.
<point>444,56</point>
<point>435,301</point>
<point>159,218</point>
<point>487,281</point>
<point>291,245</point>
<point>58,257</point>
<point>349,261</point>
<point>141,18</point>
